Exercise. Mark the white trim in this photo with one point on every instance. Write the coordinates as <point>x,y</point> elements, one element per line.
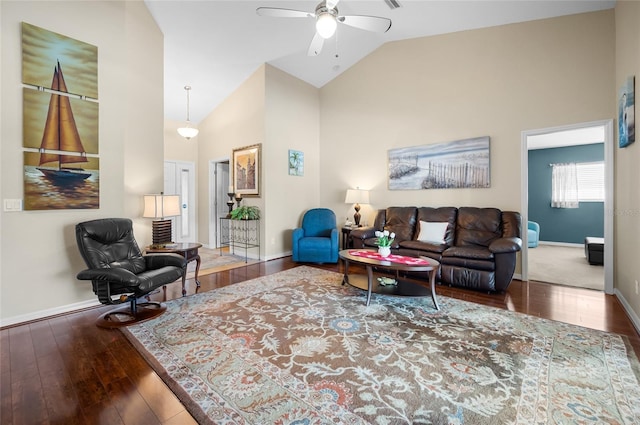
<point>608,202</point>
<point>567,244</point>
<point>37,315</point>
<point>635,320</point>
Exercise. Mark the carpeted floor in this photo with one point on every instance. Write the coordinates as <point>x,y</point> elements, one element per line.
<point>299,347</point>
<point>564,265</point>
<point>211,261</point>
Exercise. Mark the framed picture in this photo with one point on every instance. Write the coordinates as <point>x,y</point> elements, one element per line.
<point>296,163</point>
<point>626,114</point>
<point>459,164</point>
<point>246,170</point>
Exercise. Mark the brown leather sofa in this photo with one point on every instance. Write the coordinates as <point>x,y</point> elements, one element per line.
<point>476,247</point>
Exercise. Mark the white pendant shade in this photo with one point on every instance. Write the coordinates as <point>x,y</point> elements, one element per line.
<point>188,131</point>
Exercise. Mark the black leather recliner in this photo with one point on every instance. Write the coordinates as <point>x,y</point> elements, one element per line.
<point>119,272</point>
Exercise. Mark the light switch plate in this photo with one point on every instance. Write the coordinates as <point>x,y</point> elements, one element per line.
<point>13,204</point>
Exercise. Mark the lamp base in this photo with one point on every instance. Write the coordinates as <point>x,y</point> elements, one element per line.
<point>356,216</point>
<point>161,232</point>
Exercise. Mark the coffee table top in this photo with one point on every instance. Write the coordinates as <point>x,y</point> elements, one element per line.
<point>175,247</point>
<point>393,262</point>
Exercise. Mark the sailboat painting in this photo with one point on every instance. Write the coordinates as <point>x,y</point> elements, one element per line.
<point>60,123</point>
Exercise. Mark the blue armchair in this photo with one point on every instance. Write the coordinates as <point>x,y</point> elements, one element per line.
<point>317,240</point>
<point>533,234</point>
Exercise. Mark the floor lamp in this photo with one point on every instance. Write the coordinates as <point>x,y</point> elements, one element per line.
<point>159,207</point>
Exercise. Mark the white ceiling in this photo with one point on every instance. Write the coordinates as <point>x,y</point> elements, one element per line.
<point>214,46</point>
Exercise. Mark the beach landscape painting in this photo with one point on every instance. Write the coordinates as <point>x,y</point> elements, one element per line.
<point>458,164</point>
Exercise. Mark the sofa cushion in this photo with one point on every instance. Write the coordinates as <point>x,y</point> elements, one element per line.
<point>478,226</point>
<point>473,252</point>
<point>440,215</point>
<point>432,232</point>
<point>423,246</point>
<point>401,221</point>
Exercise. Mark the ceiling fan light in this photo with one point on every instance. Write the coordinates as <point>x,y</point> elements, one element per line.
<point>188,132</point>
<point>326,25</point>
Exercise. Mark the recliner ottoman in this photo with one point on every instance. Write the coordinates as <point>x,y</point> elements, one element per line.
<point>594,250</point>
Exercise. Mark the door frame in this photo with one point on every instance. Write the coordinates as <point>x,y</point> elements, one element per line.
<point>192,206</point>
<point>212,191</point>
<point>608,200</point>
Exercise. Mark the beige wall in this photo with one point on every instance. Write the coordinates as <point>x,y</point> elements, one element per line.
<point>282,113</point>
<point>627,174</point>
<point>39,254</point>
<point>493,82</point>
<point>292,122</point>
<point>239,121</point>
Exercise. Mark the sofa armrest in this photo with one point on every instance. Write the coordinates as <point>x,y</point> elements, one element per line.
<point>359,235</point>
<point>505,245</point>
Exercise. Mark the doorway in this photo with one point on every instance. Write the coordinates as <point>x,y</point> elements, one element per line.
<point>531,137</point>
<point>219,183</point>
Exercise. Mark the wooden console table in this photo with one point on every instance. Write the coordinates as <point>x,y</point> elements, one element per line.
<point>187,250</point>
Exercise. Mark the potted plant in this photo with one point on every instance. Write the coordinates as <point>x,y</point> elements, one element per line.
<point>246,212</point>
<point>384,241</point>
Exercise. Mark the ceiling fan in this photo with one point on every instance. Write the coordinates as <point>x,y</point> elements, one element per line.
<point>327,18</point>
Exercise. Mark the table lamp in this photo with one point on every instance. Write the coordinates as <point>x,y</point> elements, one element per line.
<point>159,207</point>
<point>357,197</point>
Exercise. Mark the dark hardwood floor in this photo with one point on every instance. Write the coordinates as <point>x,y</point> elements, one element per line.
<point>65,370</point>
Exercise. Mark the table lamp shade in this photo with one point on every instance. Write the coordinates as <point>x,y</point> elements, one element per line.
<point>158,207</point>
<point>357,196</point>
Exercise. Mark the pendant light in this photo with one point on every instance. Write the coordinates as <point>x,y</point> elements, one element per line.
<point>188,131</point>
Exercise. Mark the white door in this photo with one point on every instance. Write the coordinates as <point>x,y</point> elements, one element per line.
<point>179,179</point>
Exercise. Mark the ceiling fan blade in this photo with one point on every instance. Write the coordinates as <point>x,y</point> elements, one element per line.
<point>283,13</point>
<point>331,4</point>
<point>368,23</point>
<point>316,45</point>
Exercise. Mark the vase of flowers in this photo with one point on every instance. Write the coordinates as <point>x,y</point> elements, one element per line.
<point>384,241</point>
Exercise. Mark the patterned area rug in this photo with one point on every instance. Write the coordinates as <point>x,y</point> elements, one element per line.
<point>297,347</point>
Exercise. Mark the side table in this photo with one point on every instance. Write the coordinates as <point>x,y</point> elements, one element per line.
<point>346,231</point>
<point>187,250</point>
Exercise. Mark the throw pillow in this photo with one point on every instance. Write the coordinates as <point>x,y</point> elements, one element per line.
<point>432,232</point>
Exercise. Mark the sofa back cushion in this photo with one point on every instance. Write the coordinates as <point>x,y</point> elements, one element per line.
<point>478,226</point>
<point>401,221</point>
<point>438,215</point>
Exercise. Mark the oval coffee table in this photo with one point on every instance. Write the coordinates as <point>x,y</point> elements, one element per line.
<point>405,285</point>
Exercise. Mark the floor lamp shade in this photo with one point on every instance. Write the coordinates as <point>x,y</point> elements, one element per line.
<point>158,207</point>
<point>357,197</point>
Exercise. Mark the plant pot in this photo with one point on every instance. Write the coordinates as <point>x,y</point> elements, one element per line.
<point>384,251</point>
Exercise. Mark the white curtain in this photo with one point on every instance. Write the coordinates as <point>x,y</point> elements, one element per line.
<point>564,189</point>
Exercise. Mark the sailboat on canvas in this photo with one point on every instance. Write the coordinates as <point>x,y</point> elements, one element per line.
<point>61,134</point>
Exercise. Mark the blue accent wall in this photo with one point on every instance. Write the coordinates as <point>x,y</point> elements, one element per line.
<point>562,224</point>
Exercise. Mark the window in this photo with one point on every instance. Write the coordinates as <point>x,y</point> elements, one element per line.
<point>590,181</point>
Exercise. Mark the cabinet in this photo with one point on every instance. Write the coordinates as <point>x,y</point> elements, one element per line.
<point>240,235</point>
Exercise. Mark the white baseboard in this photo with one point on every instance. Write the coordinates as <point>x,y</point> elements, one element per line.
<point>635,320</point>
<point>571,245</point>
<point>38,315</point>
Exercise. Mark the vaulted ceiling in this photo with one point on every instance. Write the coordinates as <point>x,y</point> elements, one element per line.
<point>214,46</point>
